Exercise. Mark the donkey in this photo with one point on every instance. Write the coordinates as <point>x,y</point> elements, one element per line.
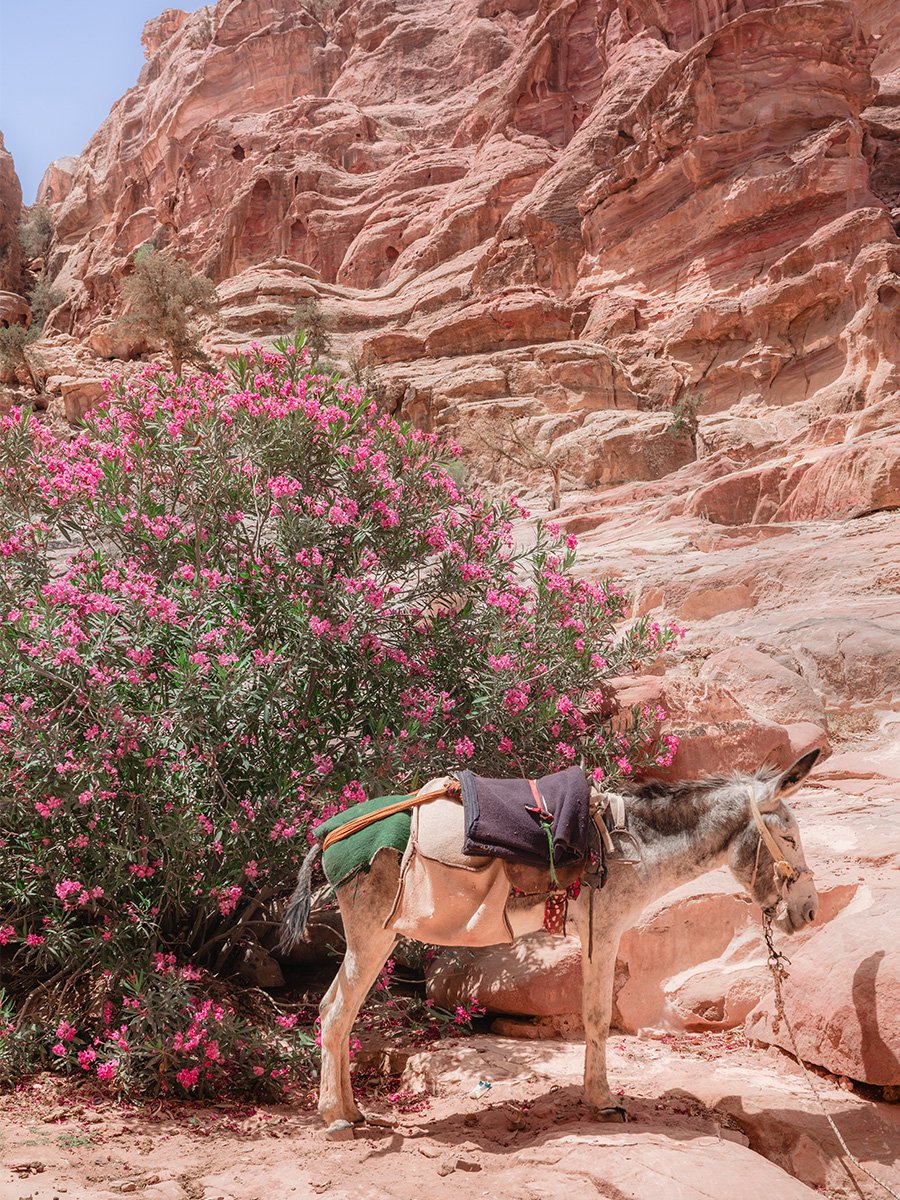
<point>681,830</point>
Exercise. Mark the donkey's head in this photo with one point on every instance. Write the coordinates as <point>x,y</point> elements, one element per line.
<point>767,857</point>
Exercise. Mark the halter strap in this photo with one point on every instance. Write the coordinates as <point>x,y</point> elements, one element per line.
<point>783,868</point>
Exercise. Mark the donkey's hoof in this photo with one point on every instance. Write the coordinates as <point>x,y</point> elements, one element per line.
<point>613,1112</point>
<point>340,1131</point>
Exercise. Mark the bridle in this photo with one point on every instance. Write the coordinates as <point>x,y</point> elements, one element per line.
<point>785,873</point>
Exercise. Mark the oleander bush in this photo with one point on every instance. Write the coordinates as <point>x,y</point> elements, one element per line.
<point>232,605</point>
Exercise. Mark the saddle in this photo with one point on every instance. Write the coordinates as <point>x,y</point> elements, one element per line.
<point>488,860</point>
<point>503,863</point>
<point>533,822</point>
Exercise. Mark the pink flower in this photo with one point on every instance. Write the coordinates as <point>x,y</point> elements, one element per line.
<point>188,1077</point>
<point>515,699</point>
<point>65,1031</point>
<point>107,1070</point>
<point>464,748</point>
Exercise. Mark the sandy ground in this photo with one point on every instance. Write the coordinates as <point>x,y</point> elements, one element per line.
<point>693,1100</point>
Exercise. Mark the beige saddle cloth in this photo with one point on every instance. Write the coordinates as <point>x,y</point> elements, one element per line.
<point>449,898</point>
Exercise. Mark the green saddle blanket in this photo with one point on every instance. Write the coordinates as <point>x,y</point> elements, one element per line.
<point>353,854</point>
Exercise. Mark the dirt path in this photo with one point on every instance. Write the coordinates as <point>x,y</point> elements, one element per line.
<point>705,1108</point>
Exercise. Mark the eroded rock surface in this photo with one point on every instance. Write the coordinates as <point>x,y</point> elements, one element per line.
<point>555,215</point>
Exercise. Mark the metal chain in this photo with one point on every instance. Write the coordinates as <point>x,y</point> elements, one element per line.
<point>777,964</point>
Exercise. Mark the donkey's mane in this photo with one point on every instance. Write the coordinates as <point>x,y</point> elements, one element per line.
<point>671,807</point>
<point>652,789</point>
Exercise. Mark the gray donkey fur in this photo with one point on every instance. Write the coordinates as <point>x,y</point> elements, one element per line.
<point>682,831</point>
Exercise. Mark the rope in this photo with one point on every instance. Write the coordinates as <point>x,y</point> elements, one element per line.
<point>776,964</point>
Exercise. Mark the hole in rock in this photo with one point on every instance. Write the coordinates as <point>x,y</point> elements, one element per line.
<point>238,153</point>
<point>392,254</point>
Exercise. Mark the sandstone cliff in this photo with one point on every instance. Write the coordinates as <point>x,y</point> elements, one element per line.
<point>569,214</point>
<point>10,212</point>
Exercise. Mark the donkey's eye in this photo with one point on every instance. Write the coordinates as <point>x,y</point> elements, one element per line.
<point>790,841</point>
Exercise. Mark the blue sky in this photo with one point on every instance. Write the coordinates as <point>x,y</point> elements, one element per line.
<point>63,64</point>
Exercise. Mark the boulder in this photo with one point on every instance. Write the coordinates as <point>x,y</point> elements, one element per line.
<point>644,1163</point>
<point>846,659</point>
<point>722,716</point>
<point>80,396</point>
<point>322,941</point>
<point>702,603</point>
<point>611,446</point>
<point>843,481</point>
<point>842,996</point>
<point>111,339</point>
<point>537,975</point>
<point>14,310</point>
<point>766,688</point>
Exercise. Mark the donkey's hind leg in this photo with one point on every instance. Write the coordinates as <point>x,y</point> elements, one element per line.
<point>364,908</point>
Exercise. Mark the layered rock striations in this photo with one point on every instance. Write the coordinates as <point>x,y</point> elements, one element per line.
<point>575,214</point>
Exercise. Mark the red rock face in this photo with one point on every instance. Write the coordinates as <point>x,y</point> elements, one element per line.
<point>552,209</point>
<point>10,211</point>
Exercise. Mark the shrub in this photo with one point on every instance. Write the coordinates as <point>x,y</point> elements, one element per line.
<point>165,298</point>
<point>685,417</point>
<point>168,1031</point>
<point>36,233</point>
<point>14,343</point>
<point>275,600</point>
<point>43,298</point>
<point>309,320</point>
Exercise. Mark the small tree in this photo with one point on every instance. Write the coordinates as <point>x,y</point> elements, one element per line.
<point>43,298</point>
<point>36,233</point>
<point>165,299</point>
<point>14,342</point>
<point>685,419</point>
<point>509,444</point>
<point>309,319</point>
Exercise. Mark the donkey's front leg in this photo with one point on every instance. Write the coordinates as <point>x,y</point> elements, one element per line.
<point>597,974</point>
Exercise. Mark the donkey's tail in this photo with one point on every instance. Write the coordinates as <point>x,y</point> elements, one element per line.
<point>296,915</point>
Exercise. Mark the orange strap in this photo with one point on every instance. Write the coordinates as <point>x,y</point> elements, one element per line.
<point>405,802</point>
<point>538,798</point>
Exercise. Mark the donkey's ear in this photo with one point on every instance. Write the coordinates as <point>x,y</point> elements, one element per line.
<point>799,771</point>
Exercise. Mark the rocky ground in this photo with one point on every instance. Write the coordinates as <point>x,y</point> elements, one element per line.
<point>712,1119</point>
